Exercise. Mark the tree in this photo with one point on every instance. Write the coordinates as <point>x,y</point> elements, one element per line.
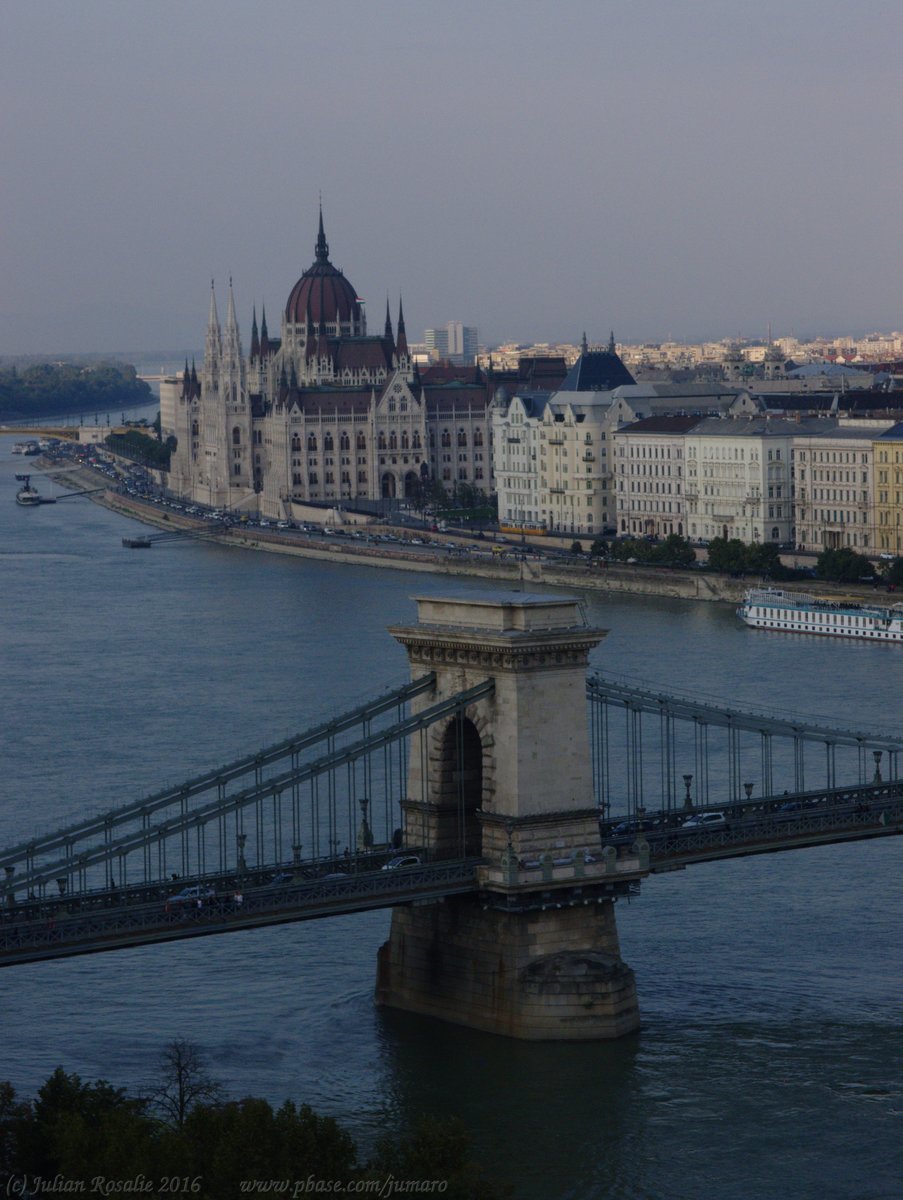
<point>184,1082</point>
<point>843,565</point>
<point>576,547</point>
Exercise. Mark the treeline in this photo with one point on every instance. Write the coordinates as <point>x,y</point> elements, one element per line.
<point>182,1137</point>
<point>46,389</point>
<point>141,448</point>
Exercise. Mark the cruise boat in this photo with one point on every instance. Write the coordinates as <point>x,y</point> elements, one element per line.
<point>27,448</point>
<point>797,612</point>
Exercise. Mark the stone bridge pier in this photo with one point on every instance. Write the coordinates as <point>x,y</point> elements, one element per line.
<point>535,953</point>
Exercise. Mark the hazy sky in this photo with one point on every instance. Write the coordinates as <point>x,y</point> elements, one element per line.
<point>685,168</point>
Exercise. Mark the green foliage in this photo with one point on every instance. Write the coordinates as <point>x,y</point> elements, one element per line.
<point>436,1148</point>
<point>48,388</point>
<point>733,557</point>
<point>892,572</point>
<point>576,547</point>
<point>674,551</point>
<point>599,548</point>
<point>79,1131</point>
<point>140,447</point>
<point>842,566</point>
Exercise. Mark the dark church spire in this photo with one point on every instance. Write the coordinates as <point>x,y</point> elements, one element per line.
<point>255,340</point>
<point>612,349</point>
<point>322,247</point>
<point>402,344</point>
<point>388,333</point>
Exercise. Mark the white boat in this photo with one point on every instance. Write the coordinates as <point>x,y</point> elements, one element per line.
<point>797,612</point>
<point>27,495</point>
<point>27,448</point>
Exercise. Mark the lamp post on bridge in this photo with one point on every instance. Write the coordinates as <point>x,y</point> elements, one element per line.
<point>688,799</point>
<point>877,755</point>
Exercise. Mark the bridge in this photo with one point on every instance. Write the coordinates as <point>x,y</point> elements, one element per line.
<point>481,802</point>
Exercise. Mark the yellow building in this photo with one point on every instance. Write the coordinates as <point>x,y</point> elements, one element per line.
<point>889,491</point>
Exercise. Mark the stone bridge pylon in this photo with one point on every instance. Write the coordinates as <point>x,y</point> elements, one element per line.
<point>535,954</point>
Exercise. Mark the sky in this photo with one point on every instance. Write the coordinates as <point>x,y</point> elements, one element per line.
<point>681,169</point>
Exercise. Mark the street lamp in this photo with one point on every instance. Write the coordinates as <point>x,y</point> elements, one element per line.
<point>877,755</point>
<point>748,787</point>
<point>242,865</point>
<point>688,799</point>
<point>364,834</point>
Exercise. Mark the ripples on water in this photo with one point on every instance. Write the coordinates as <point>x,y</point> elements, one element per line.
<point>769,1062</point>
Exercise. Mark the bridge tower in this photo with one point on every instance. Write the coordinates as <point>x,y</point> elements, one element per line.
<point>535,954</point>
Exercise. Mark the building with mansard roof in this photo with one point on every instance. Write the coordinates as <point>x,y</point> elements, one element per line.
<point>325,412</point>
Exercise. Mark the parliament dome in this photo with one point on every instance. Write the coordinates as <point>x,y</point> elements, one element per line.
<point>323,295</point>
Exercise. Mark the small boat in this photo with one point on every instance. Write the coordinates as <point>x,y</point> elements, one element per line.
<point>27,448</point>
<point>798,612</point>
<point>137,543</point>
<point>27,496</point>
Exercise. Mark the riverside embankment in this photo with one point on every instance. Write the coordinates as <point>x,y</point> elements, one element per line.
<point>467,559</point>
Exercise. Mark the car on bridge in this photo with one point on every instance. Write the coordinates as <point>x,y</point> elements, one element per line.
<point>198,893</point>
<point>402,860</point>
<point>706,820</point>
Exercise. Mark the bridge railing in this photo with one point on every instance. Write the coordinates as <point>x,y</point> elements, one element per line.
<point>653,749</point>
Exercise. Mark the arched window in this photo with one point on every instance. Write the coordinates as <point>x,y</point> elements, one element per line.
<point>382,441</point>
<point>311,443</point>
<point>405,445</point>
<point>327,442</point>
<point>393,440</point>
<point>415,441</point>
<point>194,429</point>
<point>462,438</point>
<point>361,442</point>
<point>446,438</point>
<point>296,442</point>
<point>478,437</point>
<point>344,442</point>
<point>362,476</point>
<point>236,436</point>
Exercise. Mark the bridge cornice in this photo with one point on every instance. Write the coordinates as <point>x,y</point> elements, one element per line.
<point>504,651</point>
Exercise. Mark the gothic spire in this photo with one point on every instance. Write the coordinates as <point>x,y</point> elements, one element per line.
<point>583,345</point>
<point>264,336</point>
<point>402,343</point>
<point>255,340</point>
<point>612,349</point>
<point>213,318</point>
<point>388,334</point>
<point>322,247</point>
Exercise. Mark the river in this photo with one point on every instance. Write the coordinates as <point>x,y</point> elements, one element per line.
<point>769,1062</point>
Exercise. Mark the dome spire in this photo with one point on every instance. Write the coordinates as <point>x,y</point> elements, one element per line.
<point>322,247</point>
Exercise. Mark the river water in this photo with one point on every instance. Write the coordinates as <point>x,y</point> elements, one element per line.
<point>769,1063</point>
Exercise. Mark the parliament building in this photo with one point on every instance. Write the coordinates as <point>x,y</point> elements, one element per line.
<point>326,411</point>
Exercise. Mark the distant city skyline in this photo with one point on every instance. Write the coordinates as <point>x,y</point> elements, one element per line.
<point>685,172</point>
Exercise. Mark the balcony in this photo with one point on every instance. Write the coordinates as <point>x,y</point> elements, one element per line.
<point>589,457</point>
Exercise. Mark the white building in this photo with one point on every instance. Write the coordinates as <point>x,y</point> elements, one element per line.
<point>650,476</point>
<point>739,477</point>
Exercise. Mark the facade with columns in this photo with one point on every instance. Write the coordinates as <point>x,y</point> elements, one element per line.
<point>325,412</point>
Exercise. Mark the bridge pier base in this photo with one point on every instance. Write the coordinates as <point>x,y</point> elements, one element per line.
<point>552,975</point>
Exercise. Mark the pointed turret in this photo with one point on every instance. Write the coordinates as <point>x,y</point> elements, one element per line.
<point>255,339</point>
<point>186,382</point>
<point>612,348</point>
<point>583,344</point>
<point>213,339</point>
<point>322,247</point>
<point>388,333</point>
<point>402,344</point>
<point>264,336</point>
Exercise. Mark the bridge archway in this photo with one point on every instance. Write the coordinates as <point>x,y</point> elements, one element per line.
<point>459,787</point>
